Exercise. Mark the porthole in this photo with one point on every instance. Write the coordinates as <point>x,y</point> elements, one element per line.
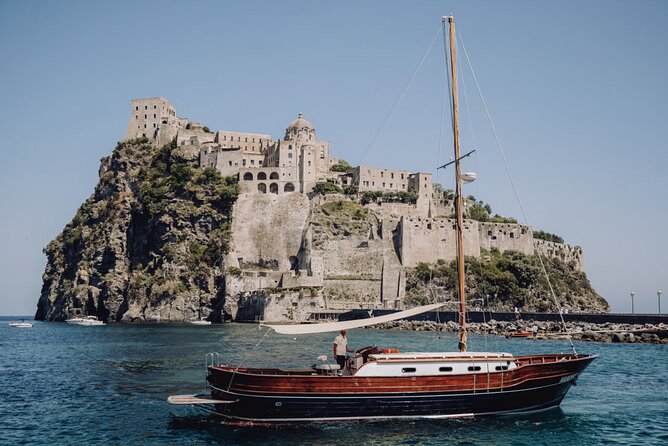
<point>408,370</point>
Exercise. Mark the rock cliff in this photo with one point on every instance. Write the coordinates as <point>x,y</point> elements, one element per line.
<point>147,245</point>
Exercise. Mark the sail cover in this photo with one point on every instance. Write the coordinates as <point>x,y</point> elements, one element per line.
<point>346,325</point>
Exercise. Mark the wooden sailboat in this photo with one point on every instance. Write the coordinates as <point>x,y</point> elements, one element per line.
<point>389,384</point>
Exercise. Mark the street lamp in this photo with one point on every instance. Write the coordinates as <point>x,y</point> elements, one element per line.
<point>658,294</point>
<point>632,309</point>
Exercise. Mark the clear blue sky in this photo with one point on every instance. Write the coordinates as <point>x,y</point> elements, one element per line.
<point>577,91</point>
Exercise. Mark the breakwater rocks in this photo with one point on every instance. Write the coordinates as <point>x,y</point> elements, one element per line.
<point>582,331</point>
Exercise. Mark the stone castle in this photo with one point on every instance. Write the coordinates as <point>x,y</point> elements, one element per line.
<point>283,237</point>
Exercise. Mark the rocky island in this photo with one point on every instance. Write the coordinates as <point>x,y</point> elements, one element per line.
<point>186,223</point>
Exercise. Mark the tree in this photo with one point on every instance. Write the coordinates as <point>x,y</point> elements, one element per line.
<point>341,166</point>
<point>327,187</point>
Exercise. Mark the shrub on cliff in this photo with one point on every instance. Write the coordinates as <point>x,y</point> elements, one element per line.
<point>389,197</point>
<point>327,187</point>
<point>171,177</point>
<point>341,166</point>
<point>542,235</point>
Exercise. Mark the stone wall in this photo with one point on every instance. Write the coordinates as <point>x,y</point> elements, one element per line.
<point>431,239</point>
<point>506,237</point>
<point>561,251</point>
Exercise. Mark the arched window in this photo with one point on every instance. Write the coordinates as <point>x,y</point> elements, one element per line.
<point>248,176</point>
<point>289,187</point>
<point>273,176</point>
<point>273,188</point>
<point>261,176</point>
<point>262,188</point>
<point>290,155</point>
<point>290,147</point>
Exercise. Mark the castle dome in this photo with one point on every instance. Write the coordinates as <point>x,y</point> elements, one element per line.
<point>300,123</point>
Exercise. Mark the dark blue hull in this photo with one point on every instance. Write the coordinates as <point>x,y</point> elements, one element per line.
<point>269,396</point>
<point>282,409</point>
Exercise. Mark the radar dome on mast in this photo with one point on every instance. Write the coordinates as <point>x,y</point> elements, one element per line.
<point>469,177</point>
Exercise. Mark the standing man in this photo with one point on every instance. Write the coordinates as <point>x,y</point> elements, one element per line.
<point>340,348</point>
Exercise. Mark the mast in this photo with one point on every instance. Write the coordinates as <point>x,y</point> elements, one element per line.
<point>458,190</point>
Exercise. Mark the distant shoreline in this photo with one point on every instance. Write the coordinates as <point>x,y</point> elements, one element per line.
<point>580,331</point>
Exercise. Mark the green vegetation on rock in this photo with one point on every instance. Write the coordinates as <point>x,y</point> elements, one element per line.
<point>506,280</point>
<point>327,187</point>
<point>341,166</point>
<point>389,197</point>
<point>542,235</point>
<point>340,219</point>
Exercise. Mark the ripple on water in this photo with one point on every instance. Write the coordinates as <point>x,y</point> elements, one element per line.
<point>62,385</point>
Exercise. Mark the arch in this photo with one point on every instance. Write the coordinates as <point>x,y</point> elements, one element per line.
<point>261,176</point>
<point>289,187</point>
<point>248,176</point>
<point>294,263</point>
<point>273,176</point>
<point>262,188</point>
<point>290,155</point>
<point>273,188</point>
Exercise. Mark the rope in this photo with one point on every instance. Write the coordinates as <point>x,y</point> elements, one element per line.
<point>396,103</point>
<point>246,357</point>
<point>512,182</point>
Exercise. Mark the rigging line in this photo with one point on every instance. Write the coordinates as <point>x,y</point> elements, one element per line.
<point>396,103</point>
<point>517,195</point>
<point>246,357</point>
<point>477,192</point>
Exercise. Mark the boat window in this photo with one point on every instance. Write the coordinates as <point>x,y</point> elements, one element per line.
<point>445,369</point>
<point>474,368</point>
<point>408,370</point>
<point>501,367</point>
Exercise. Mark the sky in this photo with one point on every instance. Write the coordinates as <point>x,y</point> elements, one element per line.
<point>576,91</point>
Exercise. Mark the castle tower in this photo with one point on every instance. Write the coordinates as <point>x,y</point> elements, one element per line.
<point>421,184</point>
<point>147,115</point>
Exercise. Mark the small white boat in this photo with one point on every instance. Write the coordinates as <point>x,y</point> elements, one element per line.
<point>22,324</point>
<point>201,321</point>
<point>87,321</point>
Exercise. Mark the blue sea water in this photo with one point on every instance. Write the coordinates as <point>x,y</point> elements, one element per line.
<point>65,385</point>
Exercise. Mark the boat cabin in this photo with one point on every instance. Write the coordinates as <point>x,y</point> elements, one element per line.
<point>390,362</point>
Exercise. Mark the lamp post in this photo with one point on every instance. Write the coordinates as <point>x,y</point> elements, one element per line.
<point>632,309</point>
<point>658,295</point>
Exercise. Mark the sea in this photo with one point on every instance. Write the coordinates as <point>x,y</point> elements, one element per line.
<point>73,385</point>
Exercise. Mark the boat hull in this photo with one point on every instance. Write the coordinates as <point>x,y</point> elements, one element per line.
<point>265,399</point>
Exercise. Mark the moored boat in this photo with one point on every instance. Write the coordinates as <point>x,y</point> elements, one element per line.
<point>520,334</point>
<point>201,321</point>
<point>86,321</point>
<point>22,324</point>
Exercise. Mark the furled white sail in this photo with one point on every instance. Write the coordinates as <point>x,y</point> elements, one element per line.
<point>346,325</point>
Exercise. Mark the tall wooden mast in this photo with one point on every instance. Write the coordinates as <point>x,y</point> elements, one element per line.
<point>458,190</point>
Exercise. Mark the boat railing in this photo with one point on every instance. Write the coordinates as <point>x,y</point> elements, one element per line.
<point>211,359</point>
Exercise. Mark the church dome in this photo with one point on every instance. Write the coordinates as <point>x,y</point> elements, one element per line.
<point>300,123</point>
